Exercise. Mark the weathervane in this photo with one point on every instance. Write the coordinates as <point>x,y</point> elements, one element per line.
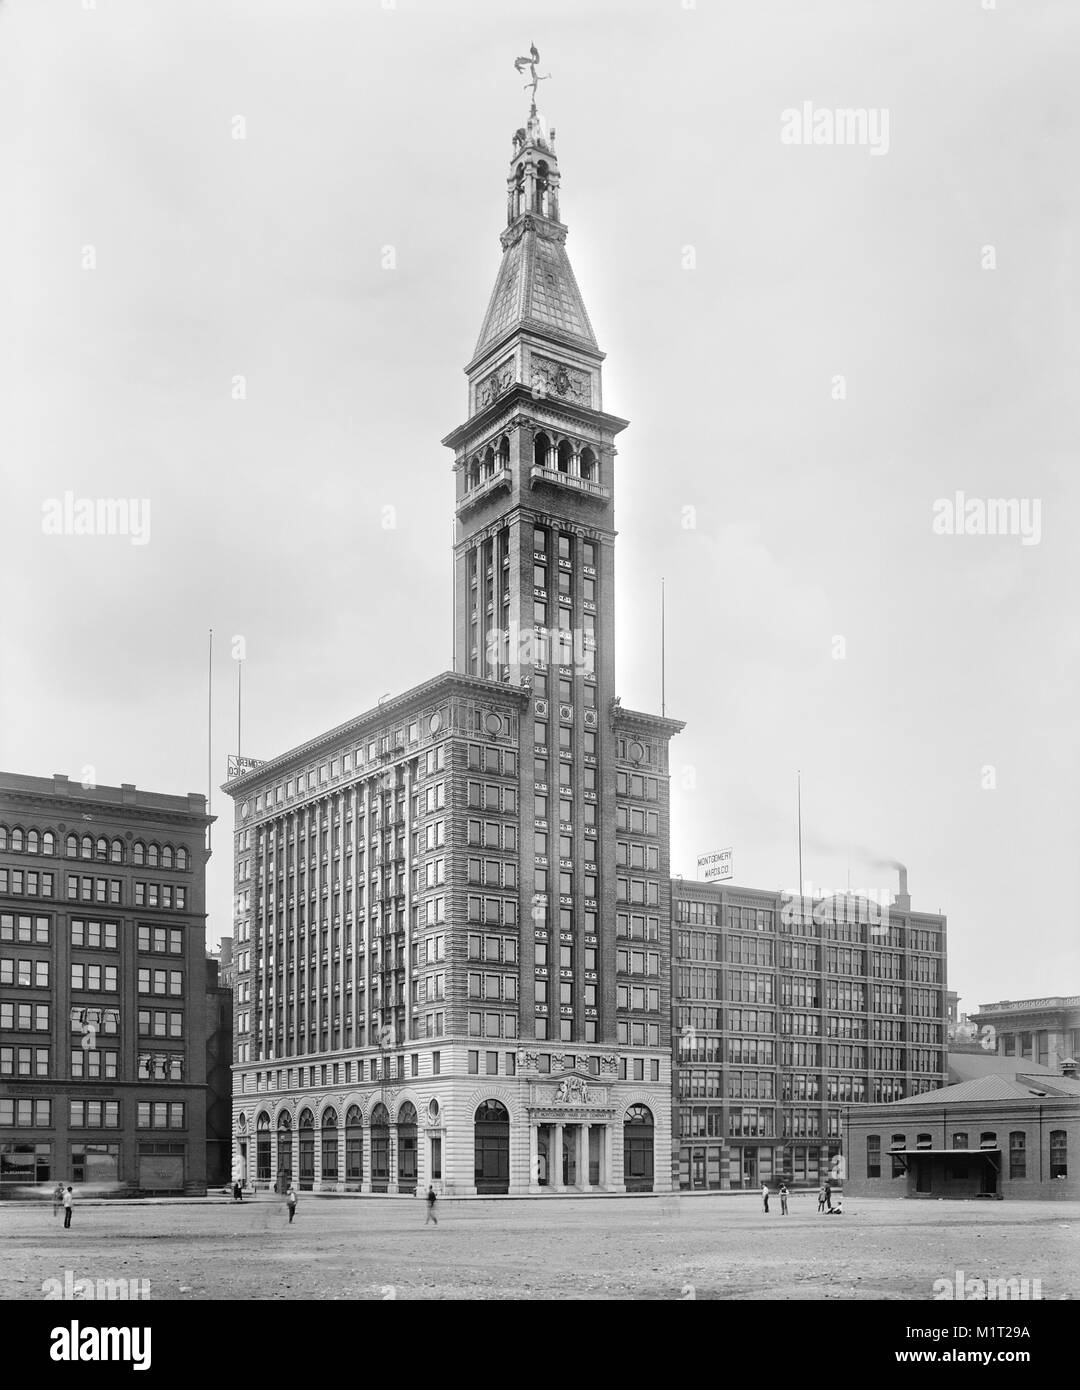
<point>522,63</point>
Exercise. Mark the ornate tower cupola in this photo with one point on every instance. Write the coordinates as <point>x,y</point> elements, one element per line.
<point>533,182</point>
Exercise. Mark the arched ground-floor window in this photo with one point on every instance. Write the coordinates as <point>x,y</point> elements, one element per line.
<point>306,1129</point>
<point>406,1133</point>
<point>638,1149</point>
<point>354,1145</point>
<point>329,1144</point>
<point>262,1147</point>
<point>380,1149</point>
<point>284,1151</point>
<point>492,1148</point>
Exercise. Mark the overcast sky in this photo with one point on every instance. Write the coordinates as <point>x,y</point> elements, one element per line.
<point>150,258</point>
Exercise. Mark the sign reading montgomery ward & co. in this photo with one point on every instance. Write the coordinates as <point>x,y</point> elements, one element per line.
<point>238,766</point>
<point>715,868</point>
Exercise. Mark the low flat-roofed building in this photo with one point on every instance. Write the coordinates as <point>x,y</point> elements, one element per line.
<point>995,1136</point>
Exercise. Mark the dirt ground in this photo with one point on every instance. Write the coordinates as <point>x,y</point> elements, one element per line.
<point>627,1248</point>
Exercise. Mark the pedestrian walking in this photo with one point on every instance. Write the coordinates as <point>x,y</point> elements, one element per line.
<point>57,1198</point>
<point>821,1198</point>
<point>828,1198</point>
<point>69,1199</point>
<point>765,1195</point>
<point>430,1199</point>
<point>290,1202</point>
<point>783,1199</point>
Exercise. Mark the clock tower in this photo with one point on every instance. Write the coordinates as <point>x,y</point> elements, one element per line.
<point>534,574</point>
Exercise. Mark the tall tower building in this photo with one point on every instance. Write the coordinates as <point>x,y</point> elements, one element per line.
<point>453,922</point>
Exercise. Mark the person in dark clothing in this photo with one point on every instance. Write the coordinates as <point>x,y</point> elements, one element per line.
<point>430,1199</point>
<point>828,1198</point>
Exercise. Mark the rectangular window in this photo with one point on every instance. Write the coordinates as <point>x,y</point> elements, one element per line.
<point>1017,1154</point>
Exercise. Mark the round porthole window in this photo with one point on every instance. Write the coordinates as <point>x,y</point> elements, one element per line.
<point>435,722</point>
<point>637,752</point>
<point>245,810</point>
<point>493,723</point>
<point>433,1109</point>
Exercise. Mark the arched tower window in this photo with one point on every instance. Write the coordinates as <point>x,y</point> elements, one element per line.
<point>116,852</point>
<point>589,468</point>
<point>138,853</point>
<point>71,847</point>
<point>181,858</point>
<point>565,457</point>
<point>540,198</point>
<point>167,857</point>
<point>541,450</point>
<point>519,191</point>
<point>48,843</point>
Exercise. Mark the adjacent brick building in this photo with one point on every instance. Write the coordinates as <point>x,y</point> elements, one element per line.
<point>102,987</point>
<point>787,1011</point>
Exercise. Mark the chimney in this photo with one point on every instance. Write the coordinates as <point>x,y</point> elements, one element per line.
<point>1068,1068</point>
<point>903,898</point>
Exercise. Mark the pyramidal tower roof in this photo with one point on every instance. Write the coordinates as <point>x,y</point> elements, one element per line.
<point>535,288</point>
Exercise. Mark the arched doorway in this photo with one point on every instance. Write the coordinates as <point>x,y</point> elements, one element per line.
<point>329,1144</point>
<point>354,1145</point>
<point>492,1148</point>
<point>380,1149</point>
<point>406,1138</point>
<point>262,1147</point>
<point>638,1149</point>
<point>284,1151</point>
<point>307,1150</point>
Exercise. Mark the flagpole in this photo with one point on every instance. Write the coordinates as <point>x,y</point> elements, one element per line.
<point>210,739</point>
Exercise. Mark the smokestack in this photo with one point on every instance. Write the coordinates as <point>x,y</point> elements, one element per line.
<point>903,898</point>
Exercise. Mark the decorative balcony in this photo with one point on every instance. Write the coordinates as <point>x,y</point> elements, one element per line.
<point>486,488</point>
<point>595,492</point>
